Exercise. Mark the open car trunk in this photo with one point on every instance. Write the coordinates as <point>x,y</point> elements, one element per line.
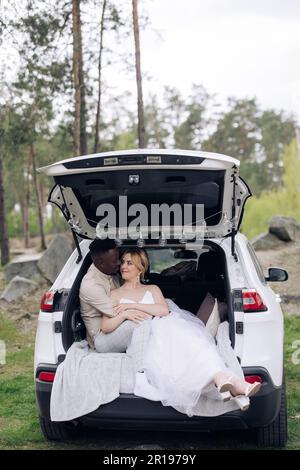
<point>99,194</point>
<point>204,270</point>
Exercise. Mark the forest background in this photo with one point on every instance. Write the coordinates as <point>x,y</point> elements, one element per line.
<point>56,102</point>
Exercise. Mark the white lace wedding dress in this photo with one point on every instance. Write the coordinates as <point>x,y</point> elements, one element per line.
<point>180,361</point>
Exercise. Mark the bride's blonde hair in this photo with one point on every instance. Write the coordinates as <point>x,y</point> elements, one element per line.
<point>139,258</point>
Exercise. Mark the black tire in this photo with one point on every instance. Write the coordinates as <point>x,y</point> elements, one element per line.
<point>276,434</point>
<point>55,431</point>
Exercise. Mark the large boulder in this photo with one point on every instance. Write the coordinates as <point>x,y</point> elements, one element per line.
<point>18,287</point>
<point>285,228</point>
<point>265,241</point>
<point>54,258</point>
<point>24,266</point>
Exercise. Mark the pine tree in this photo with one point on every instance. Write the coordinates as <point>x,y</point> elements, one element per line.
<point>140,104</point>
<point>80,143</point>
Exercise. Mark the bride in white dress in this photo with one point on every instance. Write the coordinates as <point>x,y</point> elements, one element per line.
<point>181,358</point>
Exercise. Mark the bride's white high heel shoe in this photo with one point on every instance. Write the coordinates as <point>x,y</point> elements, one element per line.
<point>226,396</point>
<point>242,401</point>
<point>252,389</point>
<point>224,390</point>
<point>228,390</point>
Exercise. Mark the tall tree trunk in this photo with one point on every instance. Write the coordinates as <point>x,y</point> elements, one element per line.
<point>26,204</point>
<point>80,146</point>
<point>141,123</point>
<point>4,243</point>
<point>42,193</point>
<point>19,200</point>
<point>97,124</point>
<point>38,198</point>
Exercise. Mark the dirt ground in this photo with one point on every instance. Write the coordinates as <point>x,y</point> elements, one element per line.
<point>17,244</point>
<point>25,310</point>
<point>288,258</point>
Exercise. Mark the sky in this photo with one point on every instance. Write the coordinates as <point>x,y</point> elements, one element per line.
<point>241,48</point>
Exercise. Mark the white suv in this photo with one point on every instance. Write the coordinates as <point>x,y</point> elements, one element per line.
<point>226,266</point>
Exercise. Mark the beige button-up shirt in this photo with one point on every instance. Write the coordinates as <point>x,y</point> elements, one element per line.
<point>95,300</point>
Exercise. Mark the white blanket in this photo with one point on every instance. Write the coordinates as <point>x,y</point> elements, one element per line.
<point>87,379</point>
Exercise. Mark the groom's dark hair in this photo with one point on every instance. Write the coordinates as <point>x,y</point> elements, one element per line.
<point>100,246</point>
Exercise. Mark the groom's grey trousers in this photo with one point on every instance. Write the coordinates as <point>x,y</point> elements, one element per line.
<point>116,341</point>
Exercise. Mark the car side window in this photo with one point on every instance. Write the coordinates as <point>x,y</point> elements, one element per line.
<point>161,259</point>
<point>256,263</point>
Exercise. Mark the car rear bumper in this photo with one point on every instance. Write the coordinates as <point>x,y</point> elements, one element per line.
<point>132,412</point>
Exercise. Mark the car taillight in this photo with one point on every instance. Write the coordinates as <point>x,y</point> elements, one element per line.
<point>252,301</point>
<point>47,301</point>
<point>46,376</point>
<point>251,379</point>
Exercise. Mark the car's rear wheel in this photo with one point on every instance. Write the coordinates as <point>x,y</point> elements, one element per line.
<point>276,433</point>
<point>55,431</point>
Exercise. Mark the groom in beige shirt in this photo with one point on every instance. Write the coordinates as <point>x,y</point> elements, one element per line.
<point>96,285</point>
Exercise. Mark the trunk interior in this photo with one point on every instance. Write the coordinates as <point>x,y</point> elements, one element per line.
<point>187,283</point>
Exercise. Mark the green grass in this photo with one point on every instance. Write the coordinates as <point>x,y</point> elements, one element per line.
<point>19,426</point>
<point>292,370</point>
<point>18,421</point>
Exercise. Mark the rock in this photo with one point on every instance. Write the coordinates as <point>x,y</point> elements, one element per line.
<point>265,241</point>
<point>287,298</point>
<point>285,228</point>
<point>53,259</point>
<point>24,266</point>
<point>18,287</point>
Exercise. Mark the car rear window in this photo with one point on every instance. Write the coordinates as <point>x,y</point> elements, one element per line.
<point>153,187</point>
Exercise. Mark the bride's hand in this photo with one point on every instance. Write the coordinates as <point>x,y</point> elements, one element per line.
<point>135,315</point>
<point>120,308</point>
